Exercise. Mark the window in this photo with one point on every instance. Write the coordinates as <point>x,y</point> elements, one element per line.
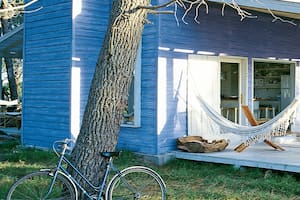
<point>274,85</point>
<point>131,115</point>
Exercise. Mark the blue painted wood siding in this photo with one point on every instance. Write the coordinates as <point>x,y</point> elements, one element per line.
<point>52,40</point>
<point>46,104</point>
<point>93,21</point>
<point>144,139</point>
<point>48,60</point>
<point>46,73</point>
<point>89,28</point>
<point>252,38</point>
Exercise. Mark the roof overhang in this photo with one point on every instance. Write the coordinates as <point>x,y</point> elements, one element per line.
<point>11,44</point>
<point>278,13</point>
<point>284,8</point>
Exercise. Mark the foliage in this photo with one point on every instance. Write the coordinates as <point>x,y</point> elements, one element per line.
<point>9,22</point>
<point>18,72</point>
<point>184,179</point>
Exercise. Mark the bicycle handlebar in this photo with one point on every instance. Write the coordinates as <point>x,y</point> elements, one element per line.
<point>67,141</point>
<point>63,145</point>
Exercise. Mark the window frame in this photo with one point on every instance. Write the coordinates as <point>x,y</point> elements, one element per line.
<point>137,91</point>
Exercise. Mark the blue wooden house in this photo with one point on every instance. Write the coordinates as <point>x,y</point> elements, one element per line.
<point>254,61</point>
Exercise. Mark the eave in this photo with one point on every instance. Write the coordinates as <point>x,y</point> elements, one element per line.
<point>283,8</point>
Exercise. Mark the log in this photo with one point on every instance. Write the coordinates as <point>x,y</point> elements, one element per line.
<point>197,144</point>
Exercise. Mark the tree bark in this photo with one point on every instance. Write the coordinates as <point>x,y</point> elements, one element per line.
<point>13,88</point>
<point>109,88</point>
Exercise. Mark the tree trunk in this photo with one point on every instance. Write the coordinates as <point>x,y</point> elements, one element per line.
<point>109,88</point>
<point>11,79</point>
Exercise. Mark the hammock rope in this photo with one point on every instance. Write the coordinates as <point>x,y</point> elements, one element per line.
<point>276,126</point>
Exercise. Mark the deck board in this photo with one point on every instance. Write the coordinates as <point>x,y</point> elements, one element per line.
<point>258,155</point>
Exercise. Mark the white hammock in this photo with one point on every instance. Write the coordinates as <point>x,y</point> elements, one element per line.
<point>277,126</point>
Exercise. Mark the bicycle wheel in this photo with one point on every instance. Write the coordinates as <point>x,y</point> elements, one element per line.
<point>36,186</point>
<point>136,182</point>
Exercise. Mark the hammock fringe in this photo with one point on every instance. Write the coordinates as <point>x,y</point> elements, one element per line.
<point>276,126</point>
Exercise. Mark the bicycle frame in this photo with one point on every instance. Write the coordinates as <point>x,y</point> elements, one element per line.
<point>62,170</point>
<point>131,179</point>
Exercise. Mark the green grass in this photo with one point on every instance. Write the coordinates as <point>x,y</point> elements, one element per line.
<point>184,179</point>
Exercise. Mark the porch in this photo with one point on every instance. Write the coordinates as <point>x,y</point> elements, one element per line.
<point>258,155</point>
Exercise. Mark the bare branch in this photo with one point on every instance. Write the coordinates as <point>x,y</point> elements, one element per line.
<point>198,4</point>
<point>280,19</point>
<point>13,8</point>
<point>189,5</point>
<point>175,14</point>
<point>242,13</point>
<point>157,7</point>
<point>161,12</point>
<point>275,16</point>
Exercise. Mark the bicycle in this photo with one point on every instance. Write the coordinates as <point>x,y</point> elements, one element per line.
<point>136,182</point>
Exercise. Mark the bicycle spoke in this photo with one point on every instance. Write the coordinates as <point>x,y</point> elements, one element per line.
<point>136,183</point>
<point>36,186</point>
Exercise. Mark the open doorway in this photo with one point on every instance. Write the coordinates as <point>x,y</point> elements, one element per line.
<point>222,83</point>
<point>274,87</point>
<point>230,91</point>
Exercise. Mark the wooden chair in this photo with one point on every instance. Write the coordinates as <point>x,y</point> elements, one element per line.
<point>249,115</point>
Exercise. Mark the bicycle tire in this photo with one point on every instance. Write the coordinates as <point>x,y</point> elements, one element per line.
<point>136,182</point>
<point>36,185</point>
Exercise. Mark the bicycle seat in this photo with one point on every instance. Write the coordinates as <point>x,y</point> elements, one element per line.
<point>110,154</point>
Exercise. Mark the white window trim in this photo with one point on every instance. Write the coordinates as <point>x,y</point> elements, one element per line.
<point>137,90</point>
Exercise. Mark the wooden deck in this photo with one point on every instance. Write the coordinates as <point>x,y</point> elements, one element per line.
<point>258,155</point>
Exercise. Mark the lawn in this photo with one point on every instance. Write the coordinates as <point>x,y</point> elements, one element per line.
<point>184,179</point>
